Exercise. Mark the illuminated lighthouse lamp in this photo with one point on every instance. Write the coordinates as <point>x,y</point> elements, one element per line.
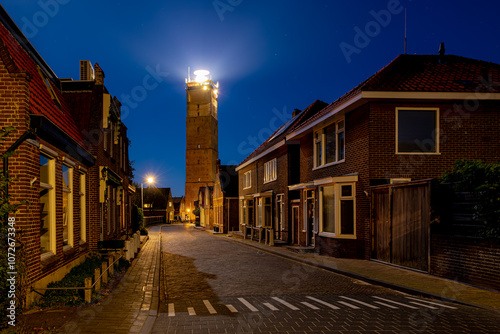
<point>201,75</point>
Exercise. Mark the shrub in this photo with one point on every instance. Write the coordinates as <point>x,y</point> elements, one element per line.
<point>483,181</point>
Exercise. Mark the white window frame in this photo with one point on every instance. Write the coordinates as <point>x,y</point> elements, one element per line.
<point>83,208</point>
<point>70,206</point>
<point>337,210</point>
<point>319,143</point>
<point>247,180</point>
<point>437,130</point>
<point>51,187</point>
<point>270,171</point>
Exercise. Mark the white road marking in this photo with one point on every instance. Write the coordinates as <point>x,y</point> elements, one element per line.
<point>333,307</point>
<point>271,307</point>
<point>247,304</point>
<point>360,302</point>
<point>171,310</point>
<point>311,306</point>
<point>232,308</point>
<point>287,304</point>
<point>400,304</point>
<point>389,306</point>
<point>424,305</point>
<point>349,305</point>
<point>209,306</point>
<point>191,311</point>
<point>433,303</point>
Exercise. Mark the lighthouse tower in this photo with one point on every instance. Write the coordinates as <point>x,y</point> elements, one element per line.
<point>202,147</point>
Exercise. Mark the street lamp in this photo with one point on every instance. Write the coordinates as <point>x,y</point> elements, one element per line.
<point>149,180</point>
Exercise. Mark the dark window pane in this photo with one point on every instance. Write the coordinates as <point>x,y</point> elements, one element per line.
<point>347,217</point>
<point>328,209</point>
<point>330,145</point>
<point>347,190</point>
<point>417,131</point>
<point>341,145</point>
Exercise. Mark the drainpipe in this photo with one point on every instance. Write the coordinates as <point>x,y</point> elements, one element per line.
<point>28,136</point>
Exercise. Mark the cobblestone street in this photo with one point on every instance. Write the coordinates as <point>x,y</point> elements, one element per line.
<point>211,285</point>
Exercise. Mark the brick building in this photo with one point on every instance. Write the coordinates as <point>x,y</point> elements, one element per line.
<point>225,198</point>
<point>410,121</point>
<point>263,180</point>
<point>98,117</point>
<point>56,167</point>
<point>159,202</point>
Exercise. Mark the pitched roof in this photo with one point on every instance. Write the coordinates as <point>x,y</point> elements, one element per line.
<point>228,179</point>
<point>283,130</point>
<point>23,58</point>
<point>425,73</point>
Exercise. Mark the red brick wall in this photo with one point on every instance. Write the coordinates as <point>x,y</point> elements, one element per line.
<point>356,161</point>
<point>468,260</point>
<point>464,134</point>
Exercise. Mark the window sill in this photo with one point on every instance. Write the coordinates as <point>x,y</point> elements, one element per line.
<point>329,164</point>
<point>247,188</point>
<point>47,260</point>
<point>335,236</point>
<point>270,181</point>
<point>418,153</point>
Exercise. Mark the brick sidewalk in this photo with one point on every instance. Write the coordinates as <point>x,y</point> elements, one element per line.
<point>133,306</point>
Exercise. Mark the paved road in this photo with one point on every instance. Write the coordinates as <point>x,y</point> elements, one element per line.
<point>211,285</point>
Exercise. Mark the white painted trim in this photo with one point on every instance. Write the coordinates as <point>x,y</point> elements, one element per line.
<point>82,169</point>
<point>300,186</point>
<point>68,162</point>
<point>336,179</point>
<point>269,150</point>
<point>47,151</point>
<point>430,95</point>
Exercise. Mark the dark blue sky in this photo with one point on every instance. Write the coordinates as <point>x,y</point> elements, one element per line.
<point>270,57</point>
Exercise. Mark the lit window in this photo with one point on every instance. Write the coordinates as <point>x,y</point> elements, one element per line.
<point>247,182</point>
<point>67,190</point>
<point>337,205</point>
<point>47,205</point>
<point>329,144</point>
<point>270,171</point>
<point>417,130</point>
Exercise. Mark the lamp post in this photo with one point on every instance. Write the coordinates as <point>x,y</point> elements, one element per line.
<point>148,180</point>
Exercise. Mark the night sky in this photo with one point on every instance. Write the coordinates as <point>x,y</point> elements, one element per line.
<point>269,57</point>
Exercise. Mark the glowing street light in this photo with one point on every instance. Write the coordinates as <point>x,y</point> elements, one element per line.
<point>149,180</point>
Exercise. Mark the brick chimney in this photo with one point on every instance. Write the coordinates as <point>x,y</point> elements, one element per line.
<point>99,75</point>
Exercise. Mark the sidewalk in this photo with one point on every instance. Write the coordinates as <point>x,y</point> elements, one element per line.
<point>396,278</point>
<point>133,305</point>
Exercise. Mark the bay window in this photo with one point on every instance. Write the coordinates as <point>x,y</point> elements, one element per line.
<point>337,207</point>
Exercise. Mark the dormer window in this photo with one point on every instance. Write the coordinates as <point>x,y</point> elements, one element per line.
<point>49,87</point>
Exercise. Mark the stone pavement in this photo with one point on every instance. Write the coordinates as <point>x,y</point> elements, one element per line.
<point>132,306</point>
<point>387,275</point>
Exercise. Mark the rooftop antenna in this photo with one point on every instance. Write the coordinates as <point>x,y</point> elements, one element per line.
<point>405,30</point>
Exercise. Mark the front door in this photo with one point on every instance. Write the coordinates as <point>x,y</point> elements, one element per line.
<point>309,217</point>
